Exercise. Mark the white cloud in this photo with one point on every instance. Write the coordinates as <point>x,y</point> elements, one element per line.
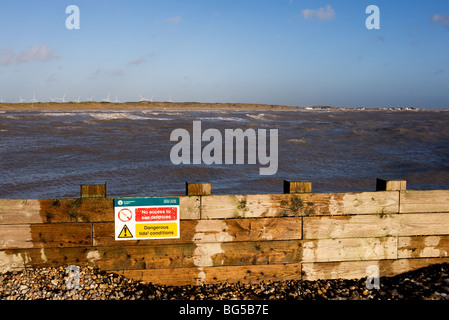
<point>441,19</point>
<point>326,13</point>
<point>99,73</point>
<point>174,20</point>
<point>136,62</point>
<point>40,53</point>
<point>140,60</point>
<point>51,78</point>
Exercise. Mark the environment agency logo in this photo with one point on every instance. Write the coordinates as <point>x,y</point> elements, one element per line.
<point>213,152</point>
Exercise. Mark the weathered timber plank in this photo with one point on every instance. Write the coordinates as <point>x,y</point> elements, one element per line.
<point>423,224</point>
<point>14,211</point>
<point>202,231</point>
<point>45,235</point>
<point>326,250</point>
<point>55,210</point>
<point>358,269</point>
<point>13,259</point>
<point>189,207</point>
<point>247,253</point>
<point>424,201</point>
<point>350,226</point>
<point>75,210</point>
<point>266,205</point>
<point>363,226</point>
<point>212,275</point>
<point>345,269</point>
<point>423,247</point>
<point>160,256</point>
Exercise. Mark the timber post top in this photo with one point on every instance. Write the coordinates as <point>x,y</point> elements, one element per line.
<point>98,189</point>
<point>204,188</point>
<point>93,189</point>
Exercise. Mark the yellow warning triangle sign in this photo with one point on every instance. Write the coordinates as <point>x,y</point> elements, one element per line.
<point>125,233</point>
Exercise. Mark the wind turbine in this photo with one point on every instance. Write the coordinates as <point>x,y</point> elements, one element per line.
<point>142,98</point>
<point>52,99</point>
<point>90,99</point>
<point>21,100</point>
<point>116,100</point>
<point>62,99</point>
<point>2,101</point>
<point>106,99</point>
<point>34,98</point>
<point>78,100</point>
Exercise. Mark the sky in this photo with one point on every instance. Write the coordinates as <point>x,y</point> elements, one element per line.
<point>287,52</point>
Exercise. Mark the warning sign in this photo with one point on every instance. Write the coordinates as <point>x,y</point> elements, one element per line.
<point>125,233</point>
<point>146,218</point>
<point>151,230</point>
<point>125,215</point>
<point>156,214</point>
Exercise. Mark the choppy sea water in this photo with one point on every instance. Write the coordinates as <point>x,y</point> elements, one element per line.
<point>49,154</point>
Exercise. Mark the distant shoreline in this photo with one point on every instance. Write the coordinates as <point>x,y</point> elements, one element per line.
<point>177,106</point>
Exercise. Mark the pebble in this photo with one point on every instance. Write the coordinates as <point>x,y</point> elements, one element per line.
<point>430,283</point>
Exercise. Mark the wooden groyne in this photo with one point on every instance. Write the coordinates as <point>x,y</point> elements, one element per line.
<point>228,238</point>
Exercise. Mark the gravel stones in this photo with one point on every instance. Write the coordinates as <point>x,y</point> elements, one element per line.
<point>87,283</point>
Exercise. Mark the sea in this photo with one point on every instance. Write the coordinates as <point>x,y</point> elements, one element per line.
<point>49,154</point>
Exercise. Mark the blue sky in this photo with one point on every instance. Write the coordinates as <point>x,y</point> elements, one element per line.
<point>290,52</point>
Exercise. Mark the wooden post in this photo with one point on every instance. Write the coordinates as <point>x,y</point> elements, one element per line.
<point>297,186</point>
<point>93,190</point>
<point>198,189</point>
<point>390,185</point>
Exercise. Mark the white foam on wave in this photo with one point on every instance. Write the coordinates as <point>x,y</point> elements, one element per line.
<point>222,119</point>
<point>260,116</point>
<point>59,114</point>
<point>121,116</point>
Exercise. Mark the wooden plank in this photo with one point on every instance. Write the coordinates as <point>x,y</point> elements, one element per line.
<point>358,269</point>
<point>13,259</point>
<point>346,269</point>
<point>202,231</point>
<point>20,211</point>
<point>423,224</point>
<point>376,225</point>
<point>350,226</point>
<point>280,205</point>
<point>45,235</point>
<point>212,275</point>
<point>247,253</point>
<point>14,211</point>
<point>162,256</point>
<point>423,247</point>
<point>424,201</point>
<point>189,207</point>
<point>326,250</point>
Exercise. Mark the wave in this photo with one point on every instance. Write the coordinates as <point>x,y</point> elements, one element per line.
<point>260,116</point>
<point>60,114</point>
<point>234,119</point>
<point>122,116</point>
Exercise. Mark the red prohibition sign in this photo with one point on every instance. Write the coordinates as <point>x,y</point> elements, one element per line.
<point>125,215</point>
